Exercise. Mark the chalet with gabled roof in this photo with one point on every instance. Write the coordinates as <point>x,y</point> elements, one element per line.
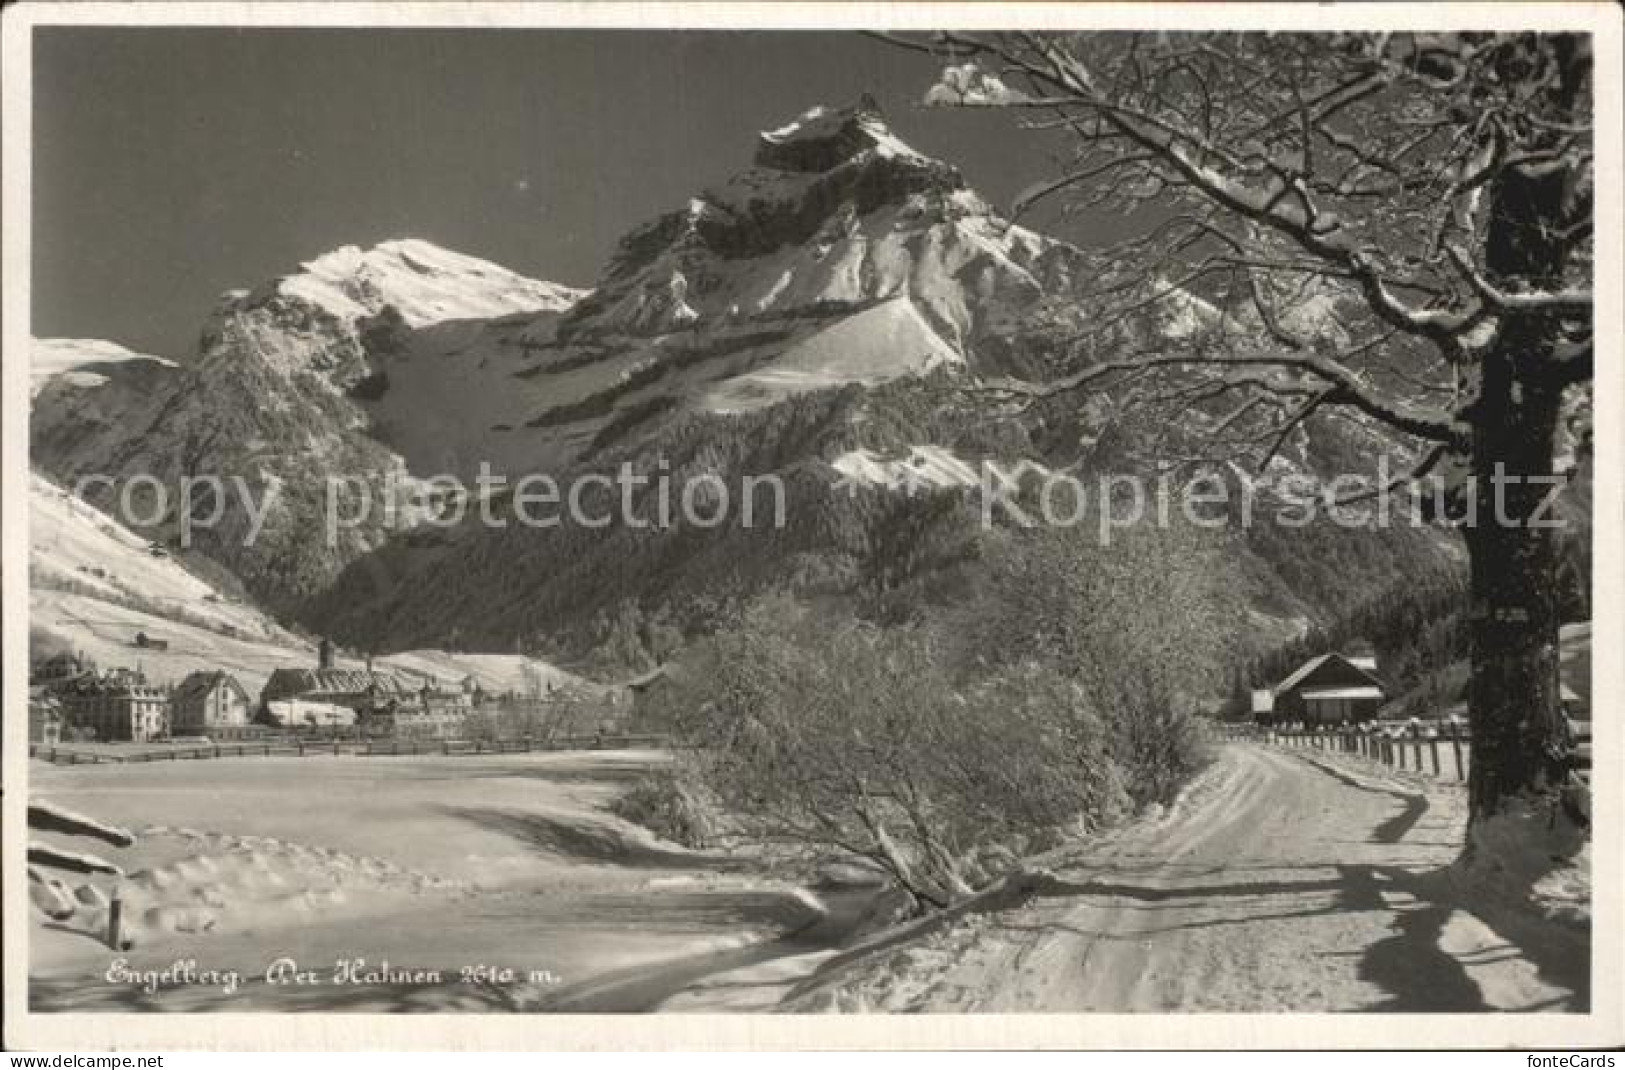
<point>210,703</point>
<point>1327,690</point>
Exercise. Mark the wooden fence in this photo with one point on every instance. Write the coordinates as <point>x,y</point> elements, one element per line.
<point>296,748</point>
<point>1445,757</point>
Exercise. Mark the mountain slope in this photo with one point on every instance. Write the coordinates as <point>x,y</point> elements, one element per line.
<point>86,363</point>
<point>274,399</point>
<point>839,255</point>
<point>94,585</point>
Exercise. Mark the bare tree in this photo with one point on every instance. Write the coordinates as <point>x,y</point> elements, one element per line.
<point>1398,230</point>
<point>829,737</point>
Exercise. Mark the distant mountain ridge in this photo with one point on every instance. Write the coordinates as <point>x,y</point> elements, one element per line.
<point>808,317</point>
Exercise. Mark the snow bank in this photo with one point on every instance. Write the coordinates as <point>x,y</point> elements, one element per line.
<point>1531,858</point>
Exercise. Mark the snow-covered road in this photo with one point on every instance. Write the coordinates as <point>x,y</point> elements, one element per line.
<point>1276,883</point>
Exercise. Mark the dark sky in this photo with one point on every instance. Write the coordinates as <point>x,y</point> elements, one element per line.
<point>172,164</point>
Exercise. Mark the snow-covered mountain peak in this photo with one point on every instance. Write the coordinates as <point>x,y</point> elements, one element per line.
<point>423,282</point>
<point>826,158</point>
<point>822,138</point>
<point>833,210</point>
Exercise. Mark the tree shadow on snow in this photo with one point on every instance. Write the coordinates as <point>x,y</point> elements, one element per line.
<point>586,840</point>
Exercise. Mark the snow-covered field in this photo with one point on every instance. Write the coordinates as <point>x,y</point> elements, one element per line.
<point>1279,881</point>
<point>431,865</point>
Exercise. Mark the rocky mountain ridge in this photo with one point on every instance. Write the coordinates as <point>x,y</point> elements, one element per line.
<point>825,300</point>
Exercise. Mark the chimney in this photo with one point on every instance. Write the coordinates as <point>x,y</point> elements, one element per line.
<point>324,655</point>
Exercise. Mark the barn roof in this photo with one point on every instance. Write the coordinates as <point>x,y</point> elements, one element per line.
<point>198,685</point>
<point>644,680</point>
<point>1308,668</point>
<point>289,683</point>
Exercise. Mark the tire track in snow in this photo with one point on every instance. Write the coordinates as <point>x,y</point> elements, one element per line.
<point>1274,884</point>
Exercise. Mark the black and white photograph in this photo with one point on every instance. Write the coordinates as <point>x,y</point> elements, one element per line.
<point>1036,516</point>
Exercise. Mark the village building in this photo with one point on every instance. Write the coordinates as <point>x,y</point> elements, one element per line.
<point>118,706</point>
<point>1327,690</point>
<point>149,642</point>
<point>44,716</point>
<point>318,693</point>
<point>432,713</point>
<point>377,704</point>
<point>213,704</point>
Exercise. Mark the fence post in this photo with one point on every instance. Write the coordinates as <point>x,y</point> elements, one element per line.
<point>1433,751</point>
<point>1455,745</point>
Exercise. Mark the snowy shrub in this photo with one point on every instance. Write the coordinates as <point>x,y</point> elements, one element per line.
<point>831,737</point>
<point>674,807</point>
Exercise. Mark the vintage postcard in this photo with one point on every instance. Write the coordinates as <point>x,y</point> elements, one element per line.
<point>678,526</point>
